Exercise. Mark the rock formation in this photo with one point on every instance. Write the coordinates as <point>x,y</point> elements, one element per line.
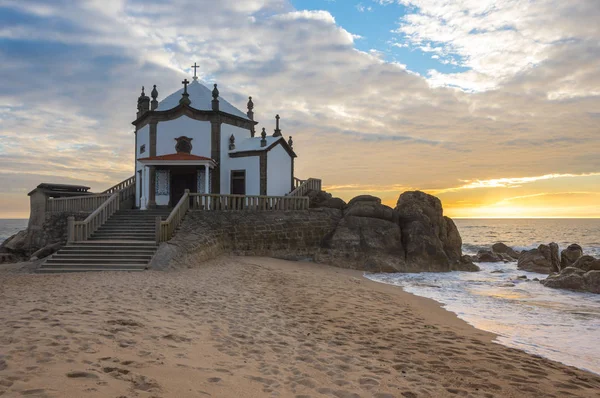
<point>570,255</point>
<point>583,275</point>
<point>501,248</point>
<point>543,260</point>
<point>364,234</point>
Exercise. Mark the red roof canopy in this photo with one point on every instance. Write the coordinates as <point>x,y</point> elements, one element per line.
<point>177,156</point>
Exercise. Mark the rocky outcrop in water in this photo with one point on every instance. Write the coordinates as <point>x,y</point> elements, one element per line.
<point>499,253</point>
<point>570,255</point>
<point>582,275</point>
<point>430,239</point>
<point>543,260</point>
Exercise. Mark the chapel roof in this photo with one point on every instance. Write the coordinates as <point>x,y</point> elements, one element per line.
<point>201,99</point>
<point>252,144</point>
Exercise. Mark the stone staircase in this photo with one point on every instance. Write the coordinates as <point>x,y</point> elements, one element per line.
<point>126,242</point>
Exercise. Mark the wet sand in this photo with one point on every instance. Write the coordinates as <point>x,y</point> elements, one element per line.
<point>252,327</point>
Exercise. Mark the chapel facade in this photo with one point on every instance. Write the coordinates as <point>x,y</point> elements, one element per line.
<point>195,140</point>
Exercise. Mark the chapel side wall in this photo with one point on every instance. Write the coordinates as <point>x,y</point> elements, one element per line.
<point>252,166</point>
<point>279,172</point>
<point>227,163</point>
<point>143,138</point>
<point>168,131</point>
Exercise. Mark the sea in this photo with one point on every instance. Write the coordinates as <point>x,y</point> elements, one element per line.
<point>557,324</point>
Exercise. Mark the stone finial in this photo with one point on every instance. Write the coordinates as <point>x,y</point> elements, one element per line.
<point>250,112</point>
<point>154,94</point>
<point>263,140</point>
<point>250,115</point>
<point>215,101</point>
<point>277,132</point>
<point>232,142</point>
<point>185,97</point>
<point>143,103</point>
<point>290,142</point>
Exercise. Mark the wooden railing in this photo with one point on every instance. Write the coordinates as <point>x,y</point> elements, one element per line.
<point>165,229</point>
<point>122,185</point>
<point>312,184</point>
<point>298,182</point>
<point>112,201</point>
<point>201,201</point>
<point>82,230</point>
<point>93,201</point>
<point>76,203</point>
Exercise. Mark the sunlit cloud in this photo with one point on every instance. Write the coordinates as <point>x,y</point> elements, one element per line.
<point>512,182</point>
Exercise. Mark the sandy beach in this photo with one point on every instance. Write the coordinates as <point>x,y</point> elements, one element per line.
<point>252,327</point>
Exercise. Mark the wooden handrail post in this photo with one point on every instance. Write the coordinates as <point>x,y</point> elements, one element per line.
<point>70,229</point>
<point>158,228</point>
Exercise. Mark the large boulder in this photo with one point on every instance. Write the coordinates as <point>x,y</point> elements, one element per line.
<point>16,248</point>
<point>364,243</point>
<point>431,241</point>
<point>332,203</point>
<point>587,263</point>
<point>370,208</point>
<point>571,278</point>
<point>504,249</point>
<point>592,281</point>
<point>570,255</point>
<point>46,251</point>
<point>364,198</point>
<point>486,256</point>
<point>541,260</point>
<point>317,197</point>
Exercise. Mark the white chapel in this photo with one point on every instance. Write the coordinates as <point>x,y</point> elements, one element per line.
<point>195,140</point>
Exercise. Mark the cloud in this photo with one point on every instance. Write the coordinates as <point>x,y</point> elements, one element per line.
<point>72,72</point>
<point>497,41</point>
<point>511,182</point>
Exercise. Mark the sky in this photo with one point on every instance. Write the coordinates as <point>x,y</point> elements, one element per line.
<point>491,105</point>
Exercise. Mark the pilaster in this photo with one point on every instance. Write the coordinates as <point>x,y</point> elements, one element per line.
<point>152,169</point>
<point>263,173</point>
<point>215,142</point>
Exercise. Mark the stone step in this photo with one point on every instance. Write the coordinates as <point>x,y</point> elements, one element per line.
<point>97,268</point>
<point>111,243</point>
<point>123,238</point>
<point>107,255</point>
<point>124,233</point>
<point>87,260</point>
<point>108,250</point>
<point>111,228</point>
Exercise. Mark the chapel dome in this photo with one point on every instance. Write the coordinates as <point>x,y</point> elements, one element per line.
<point>201,99</point>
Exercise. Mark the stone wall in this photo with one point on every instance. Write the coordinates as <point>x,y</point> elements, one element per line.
<point>54,230</point>
<point>283,234</point>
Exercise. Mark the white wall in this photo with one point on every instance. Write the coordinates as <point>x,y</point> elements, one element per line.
<point>252,166</point>
<point>199,131</point>
<point>143,138</point>
<point>279,172</point>
<point>239,134</point>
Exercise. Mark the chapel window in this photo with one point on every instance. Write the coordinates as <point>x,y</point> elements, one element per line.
<point>142,149</point>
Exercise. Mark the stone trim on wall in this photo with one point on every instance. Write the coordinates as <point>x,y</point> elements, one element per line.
<point>151,117</point>
<point>215,154</point>
<point>264,150</point>
<point>263,173</point>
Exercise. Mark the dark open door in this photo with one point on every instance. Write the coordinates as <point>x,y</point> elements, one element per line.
<point>181,182</point>
<point>238,182</point>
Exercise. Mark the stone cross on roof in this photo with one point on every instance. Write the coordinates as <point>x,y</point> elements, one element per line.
<point>195,67</point>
